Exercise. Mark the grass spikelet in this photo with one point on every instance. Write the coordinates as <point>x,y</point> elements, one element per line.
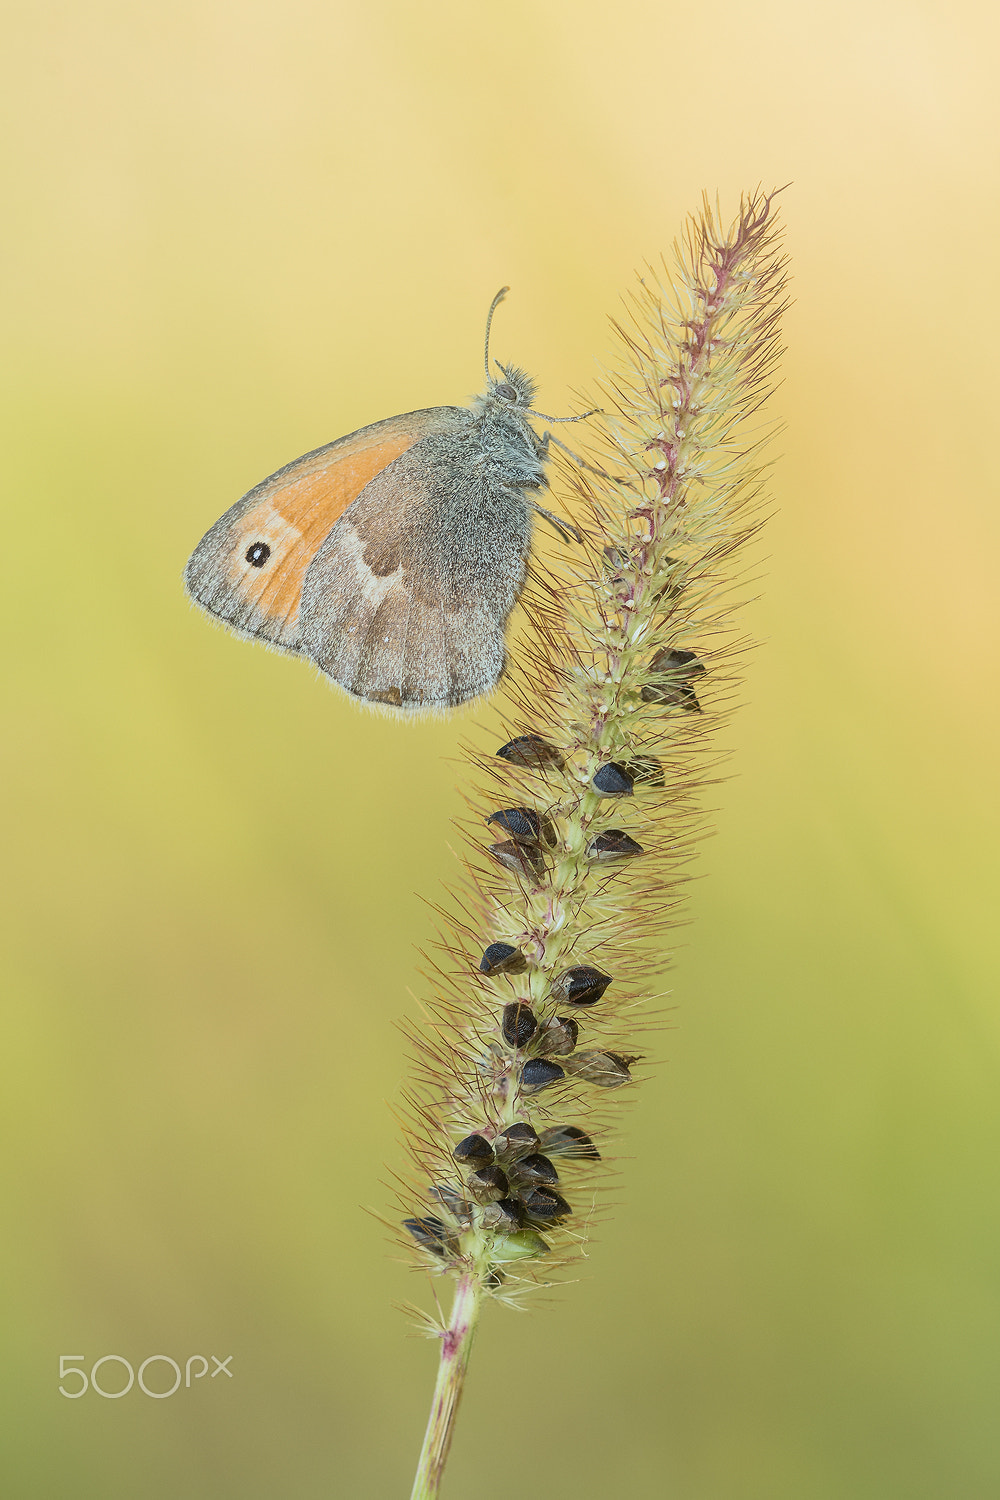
<point>582,824</point>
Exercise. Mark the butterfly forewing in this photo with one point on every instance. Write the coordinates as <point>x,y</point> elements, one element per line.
<point>248,570</point>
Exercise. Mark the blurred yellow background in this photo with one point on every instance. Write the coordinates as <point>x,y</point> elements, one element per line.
<point>232,233</point>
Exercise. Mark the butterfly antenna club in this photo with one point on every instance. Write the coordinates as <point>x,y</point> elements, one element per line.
<point>501,294</point>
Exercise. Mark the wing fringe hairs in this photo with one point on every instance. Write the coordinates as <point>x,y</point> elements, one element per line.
<point>582,826</point>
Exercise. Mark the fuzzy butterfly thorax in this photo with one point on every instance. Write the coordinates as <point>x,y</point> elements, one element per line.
<point>391,558</point>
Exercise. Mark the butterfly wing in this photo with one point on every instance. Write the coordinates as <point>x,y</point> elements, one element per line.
<point>406,601</point>
<point>248,570</point>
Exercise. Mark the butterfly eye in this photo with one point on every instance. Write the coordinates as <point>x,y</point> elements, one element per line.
<point>258,554</point>
<point>505,392</point>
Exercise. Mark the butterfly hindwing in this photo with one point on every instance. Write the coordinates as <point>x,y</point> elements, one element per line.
<point>248,570</point>
<point>406,600</point>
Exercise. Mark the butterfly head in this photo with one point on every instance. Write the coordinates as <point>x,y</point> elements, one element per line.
<point>514,393</point>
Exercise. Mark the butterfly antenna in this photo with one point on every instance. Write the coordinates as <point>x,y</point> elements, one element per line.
<point>501,294</point>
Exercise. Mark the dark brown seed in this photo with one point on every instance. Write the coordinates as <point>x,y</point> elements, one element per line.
<point>506,1215</point>
<point>581,985</point>
<point>525,860</point>
<point>557,1037</point>
<point>451,1201</point>
<point>569,1140</point>
<point>474,1151</point>
<point>609,1070</point>
<point>678,663</point>
<point>518,1024</point>
<point>623,1059</point>
<point>429,1233</point>
<point>613,843</point>
<point>502,958</point>
<point>562,1035</point>
<point>682,696</point>
<point>545,1204</point>
<point>671,671</point>
<point>488,1184</point>
<point>531,750</point>
<point>613,780</point>
<point>538,1073</point>
<point>517,1138</point>
<point>616,560</point>
<point>524,825</point>
<point>534,1169</point>
<point>645,770</point>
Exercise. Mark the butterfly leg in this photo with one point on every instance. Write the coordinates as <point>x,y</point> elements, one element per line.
<point>550,437</point>
<point>565,529</point>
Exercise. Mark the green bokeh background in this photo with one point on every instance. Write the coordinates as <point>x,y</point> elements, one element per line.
<point>233,232</point>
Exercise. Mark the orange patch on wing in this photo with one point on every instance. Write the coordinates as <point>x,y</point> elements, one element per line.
<point>296,513</point>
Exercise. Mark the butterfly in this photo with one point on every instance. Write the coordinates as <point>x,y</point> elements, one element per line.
<point>391,558</point>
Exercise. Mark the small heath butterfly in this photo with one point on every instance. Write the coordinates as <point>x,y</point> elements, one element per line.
<point>393,557</point>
